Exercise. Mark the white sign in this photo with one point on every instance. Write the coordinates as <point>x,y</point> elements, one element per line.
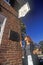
<point>23,10</point>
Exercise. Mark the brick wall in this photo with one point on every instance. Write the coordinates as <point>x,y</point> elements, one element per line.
<point>10,51</point>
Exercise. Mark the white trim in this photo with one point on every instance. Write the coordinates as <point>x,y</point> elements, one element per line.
<point>2,29</point>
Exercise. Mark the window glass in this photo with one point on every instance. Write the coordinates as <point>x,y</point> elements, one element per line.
<point>14,36</point>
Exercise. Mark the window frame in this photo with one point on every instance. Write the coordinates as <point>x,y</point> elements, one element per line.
<point>2,27</point>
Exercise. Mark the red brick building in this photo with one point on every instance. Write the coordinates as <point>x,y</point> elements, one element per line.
<point>10,33</point>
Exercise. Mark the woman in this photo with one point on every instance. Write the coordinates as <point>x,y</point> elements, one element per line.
<point>30,53</point>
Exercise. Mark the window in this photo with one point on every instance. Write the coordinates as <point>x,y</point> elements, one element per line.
<point>10,2</point>
<point>2,25</point>
<point>13,3</point>
<point>14,36</point>
<point>7,1</point>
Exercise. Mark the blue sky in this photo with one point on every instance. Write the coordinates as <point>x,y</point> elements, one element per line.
<point>34,21</point>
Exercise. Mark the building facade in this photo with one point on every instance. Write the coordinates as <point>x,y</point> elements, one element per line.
<point>10,34</point>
